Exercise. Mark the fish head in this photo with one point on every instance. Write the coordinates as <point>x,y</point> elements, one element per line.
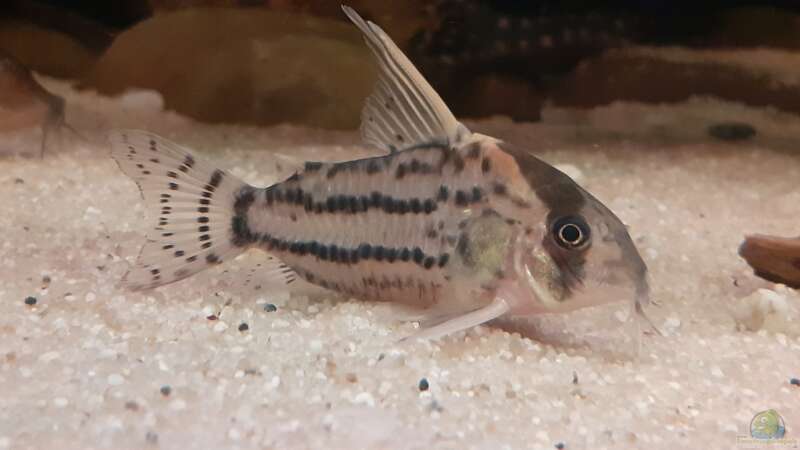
<point>575,251</point>
<point>592,256</point>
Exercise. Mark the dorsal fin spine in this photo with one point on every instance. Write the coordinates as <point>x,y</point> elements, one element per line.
<point>403,110</point>
<point>409,86</point>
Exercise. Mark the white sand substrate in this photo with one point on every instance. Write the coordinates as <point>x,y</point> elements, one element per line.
<point>92,365</point>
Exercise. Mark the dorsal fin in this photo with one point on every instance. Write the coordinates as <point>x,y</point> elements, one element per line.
<point>403,109</point>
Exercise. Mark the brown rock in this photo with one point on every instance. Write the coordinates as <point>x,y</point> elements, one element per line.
<point>675,75</point>
<point>45,51</point>
<point>401,20</point>
<point>24,103</point>
<point>773,258</point>
<point>243,65</point>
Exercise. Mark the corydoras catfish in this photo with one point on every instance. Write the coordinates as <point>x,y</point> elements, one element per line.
<point>462,227</point>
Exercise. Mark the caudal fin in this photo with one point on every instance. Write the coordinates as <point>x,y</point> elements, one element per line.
<point>191,201</point>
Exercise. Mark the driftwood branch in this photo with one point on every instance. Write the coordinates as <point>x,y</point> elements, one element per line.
<point>773,258</point>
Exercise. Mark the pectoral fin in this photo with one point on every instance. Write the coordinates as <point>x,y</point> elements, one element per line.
<point>493,310</point>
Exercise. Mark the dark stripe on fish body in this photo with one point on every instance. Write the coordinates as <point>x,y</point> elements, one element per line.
<point>363,252</point>
<point>312,166</point>
<point>349,204</point>
<point>401,171</point>
<point>241,234</point>
<point>477,194</point>
<point>486,165</point>
<point>244,199</point>
<point>458,163</point>
<point>373,167</point>
<point>474,150</point>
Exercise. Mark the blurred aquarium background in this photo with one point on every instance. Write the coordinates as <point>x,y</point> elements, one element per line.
<point>682,116</point>
<point>264,62</point>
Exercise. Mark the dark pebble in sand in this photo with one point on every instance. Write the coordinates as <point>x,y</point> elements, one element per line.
<point>151,438</point>
<point>423,384</point>
<point>30,301</point>
<point>560,446</point>
<point>244,327</point>
<point>269,307</point>
<point>795,381</point>
<point>212,317</point>
<point>732,131</point>
<point>165,390</point>
<point>19,181</point>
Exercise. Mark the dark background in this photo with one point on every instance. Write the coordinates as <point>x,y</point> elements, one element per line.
<point>484,57</point>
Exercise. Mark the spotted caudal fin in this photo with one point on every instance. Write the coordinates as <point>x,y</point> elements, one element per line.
<point>191,202</point>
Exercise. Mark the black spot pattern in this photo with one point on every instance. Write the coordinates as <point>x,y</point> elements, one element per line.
<point>349,204</point>
<point>363,252</point>
<point>311,166</point>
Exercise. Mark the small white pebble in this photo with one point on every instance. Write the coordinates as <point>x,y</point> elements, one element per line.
<point>364,398</point>
<point>90,297</point>
<point>749,392</point>
<point>60,402</point>
<point>49,356</point>
<point>622,315</point>
<point>115,379</point>
<point>178,405</point>
<point>280,323</point>
<point>5,442</point>
<point>220,327</point>
<point>273,383</point>
<point>672,323</point>
<point>717,372</point>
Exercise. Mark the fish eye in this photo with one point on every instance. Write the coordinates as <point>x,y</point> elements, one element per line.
<point>571,232</point>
